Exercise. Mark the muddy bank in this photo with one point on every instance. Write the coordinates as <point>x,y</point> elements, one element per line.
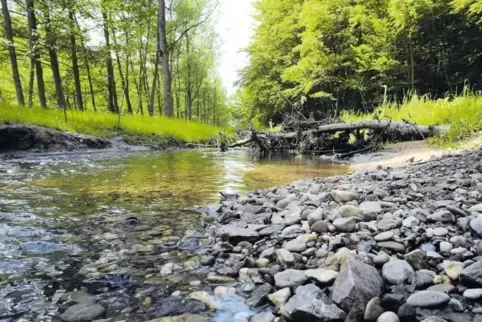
<point>32,138</point>
<point>378,245</point>
<point>21,137</point>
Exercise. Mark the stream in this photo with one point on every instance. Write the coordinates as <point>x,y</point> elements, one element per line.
<point>120,230</point>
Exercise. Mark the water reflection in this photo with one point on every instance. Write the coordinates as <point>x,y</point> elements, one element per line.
<point>170,180</point>
<point>60,213</point>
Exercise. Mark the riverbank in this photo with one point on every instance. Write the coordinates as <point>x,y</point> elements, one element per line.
<point>135,129</point>
<point>462,114</point>
<point>32,138</point>
<point>382,244</point>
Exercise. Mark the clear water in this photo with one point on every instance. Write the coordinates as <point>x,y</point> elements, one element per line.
<point>60,212</point>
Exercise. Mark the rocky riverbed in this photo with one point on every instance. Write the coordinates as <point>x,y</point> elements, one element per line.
<point>107,237</point>
<point>381,245</point>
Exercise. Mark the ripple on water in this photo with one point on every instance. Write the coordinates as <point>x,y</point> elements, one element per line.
<point>17,216</point>
<point>45,247</point>
<point>124,211</point>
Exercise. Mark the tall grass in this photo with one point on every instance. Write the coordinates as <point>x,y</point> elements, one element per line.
<point>106,124</point>
<point>462,113</point>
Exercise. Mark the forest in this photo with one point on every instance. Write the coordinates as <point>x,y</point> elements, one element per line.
<point>327,56</point>
<point>131,57</point>
<point>331,60</point>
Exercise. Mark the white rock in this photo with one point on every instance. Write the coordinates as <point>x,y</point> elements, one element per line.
<point>411,222</point>
<point>473,294</point>
<point>279,298</point>
<point>440,231</point>
<point>324,276</point>
<point>387,235</point>
<point>388,317</point>
<point>445,247</point>
<point>453,269</point>
<point>285,256</point>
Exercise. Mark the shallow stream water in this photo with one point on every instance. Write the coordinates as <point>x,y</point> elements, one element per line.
<point>107,223</point>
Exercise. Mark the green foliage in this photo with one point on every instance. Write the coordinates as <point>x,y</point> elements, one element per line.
<point>326,56</point>
<point>132,26</point>
<point>105,124</point>
<point>463,114</point>
<point>472,7</point>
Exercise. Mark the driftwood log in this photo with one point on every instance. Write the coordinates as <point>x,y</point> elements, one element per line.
<point>322,137</point>
<point>404,128</point>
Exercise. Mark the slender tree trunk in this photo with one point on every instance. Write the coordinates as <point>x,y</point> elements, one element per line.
<point>141,84</point>
<point>31,79</point>
<point>412,64</point>
<point>87,68</point>
<point>91,85</point>
<point>215,98</point>
<point>127,83</point>
<point>143,72</point>
<point>35,55</point>
<point>31,47</point>
<point>198,106</point>
<point>13,54</point>
<point>159,100</point>
<point>178,86</point>
<point>143,69</point>
<point>166,72</point>
<point>156,71</point>
<point>75,62</point>
<point>113,104</point>
<point>188,81</point>
<point>121,74</point>
<point>54,61</point>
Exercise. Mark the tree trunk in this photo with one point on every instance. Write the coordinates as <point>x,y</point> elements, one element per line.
<point>121,75</point>
<point>87,68</point>
<point>165,60</point>
<point>188,81</point>
<point>35,56</point>
<point>31,77</point>
<point>113,104</point>
<point>13,54</point>
<point>75,63</point>
<point>159,100</point>
<point>412,65</point>
<point>156,70</point>
<point>54,60</point>
<point>402,127</point>
<point>215,98</point>
<point>178,86</point>
<point>129,104</point>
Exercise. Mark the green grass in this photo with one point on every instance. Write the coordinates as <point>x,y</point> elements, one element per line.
<point>463,114</point>
<point>105,124</point>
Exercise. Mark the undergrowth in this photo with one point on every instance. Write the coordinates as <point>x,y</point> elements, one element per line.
<point>462,113</point>
<point>107,124</point>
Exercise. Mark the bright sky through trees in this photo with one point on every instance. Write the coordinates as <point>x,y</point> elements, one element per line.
<point>235,27</point>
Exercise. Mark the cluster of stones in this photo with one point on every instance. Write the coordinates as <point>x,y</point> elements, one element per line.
<point>381,245</point>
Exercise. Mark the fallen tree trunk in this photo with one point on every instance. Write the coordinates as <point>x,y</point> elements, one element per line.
<point>351,137</point>
<point>404,128</point>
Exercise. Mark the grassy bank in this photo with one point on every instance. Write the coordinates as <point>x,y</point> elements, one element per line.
<point>463,114</point>
<point>106,124</point>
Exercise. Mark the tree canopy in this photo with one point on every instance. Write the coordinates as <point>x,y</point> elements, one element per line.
<point>145,56</point>
<point>323,56</point>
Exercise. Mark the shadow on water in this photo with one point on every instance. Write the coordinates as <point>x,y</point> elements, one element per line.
<point>68,218</point>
